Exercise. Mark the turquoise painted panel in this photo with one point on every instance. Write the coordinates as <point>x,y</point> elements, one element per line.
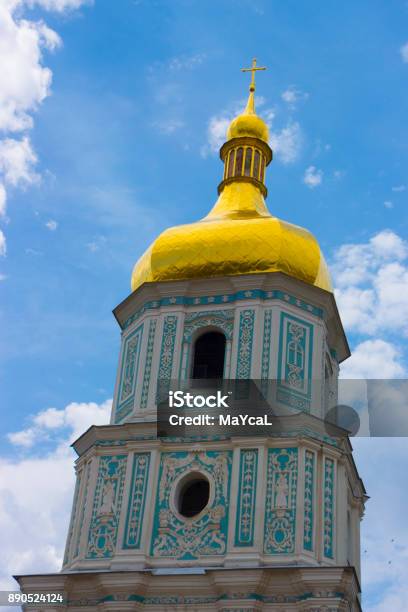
<point>177,537</point>
<point>231,298</point>
<point>148,364</point>
<point>245,520</point>
<point>245,341</point>
<point>280,502</point>
<point>328,506</point>
<point>295,362</point>
<point>128,374</point>
<point>266,344</point>
<point>107,503</point>
<point>167,354</point>
<point>137,500</point>
<point>309,501</point>
<point>83,507</point>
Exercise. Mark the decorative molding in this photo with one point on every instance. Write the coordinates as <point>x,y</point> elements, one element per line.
<point>177,537</point>
<point>266,344</point>
<point>295,356</point>
<point>245,521</point>
<point>148,364</point>
<point>107,504</point>
<point>308,517</point>
<point>224,299</point>
<point>167,348</point>
<point>328,507</point>
<point>128,373</point>
<point>223,319</point>
<point>245,341</point>
<point>280,503</point>
<point>137,500</point>
<point>83,504</point>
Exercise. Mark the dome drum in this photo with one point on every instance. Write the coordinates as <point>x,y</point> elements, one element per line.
<point>245,159</point>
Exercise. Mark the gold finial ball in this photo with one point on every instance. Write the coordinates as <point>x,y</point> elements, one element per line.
<point>248,125</point>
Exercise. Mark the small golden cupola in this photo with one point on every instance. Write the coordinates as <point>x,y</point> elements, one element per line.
<point>239,235</point>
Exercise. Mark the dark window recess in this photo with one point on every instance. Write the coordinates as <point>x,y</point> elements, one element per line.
<point>238,164</point>
<point>263,169</point>
<point>256,164</point>
<point>209,355</point>
<point>231,159</point>
<point>248,161</point>
<point>194,497</point>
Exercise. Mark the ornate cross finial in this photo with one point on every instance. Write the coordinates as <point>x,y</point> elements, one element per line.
<point>253,70</point>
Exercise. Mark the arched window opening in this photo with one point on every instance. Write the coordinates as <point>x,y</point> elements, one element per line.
<point>209,355</point>
<point>193,496</point>
<point>231,160</point>
<point>248,162</point>
<point>256,164</point>
<point>263,169</point>
<point>238,163</point>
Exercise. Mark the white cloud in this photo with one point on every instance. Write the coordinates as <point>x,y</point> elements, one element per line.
<point>399,188</point>
<point>51,225</point>
<point>186,62</point>
<point>33,534</point>
<point>388,204</point>
<point>373,359</point>
<point>291,95</point>
<point>25,83</point>
<point>216,133</point>
<point>371,281</point>
<point>59,5</point>
<point>17,161</point>
<point>404,53</point>
<point>3,247</point>
<point>287,142</point>
<point>312,177</point>
<point>74,419</point>
<point>3,200</point>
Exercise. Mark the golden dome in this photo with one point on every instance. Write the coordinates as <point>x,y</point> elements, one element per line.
<point>248,124</point>
<point>239,235</point>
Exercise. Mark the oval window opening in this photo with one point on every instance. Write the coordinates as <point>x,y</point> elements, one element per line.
<point>193,497</point>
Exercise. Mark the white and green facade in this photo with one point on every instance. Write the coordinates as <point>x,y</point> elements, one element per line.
<point>280,531</point>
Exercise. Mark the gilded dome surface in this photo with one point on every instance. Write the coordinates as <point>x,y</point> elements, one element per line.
<point>248,124</point>
<point>239,235</point>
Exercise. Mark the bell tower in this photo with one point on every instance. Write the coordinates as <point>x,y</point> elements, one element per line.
<point>222,522</point>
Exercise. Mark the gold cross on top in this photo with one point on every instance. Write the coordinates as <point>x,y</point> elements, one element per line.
<point>253,70</point>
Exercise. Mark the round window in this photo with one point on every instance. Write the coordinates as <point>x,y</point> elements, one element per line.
<point>193,495</point>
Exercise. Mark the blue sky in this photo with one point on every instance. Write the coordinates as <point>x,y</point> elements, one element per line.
<point>123,143</point>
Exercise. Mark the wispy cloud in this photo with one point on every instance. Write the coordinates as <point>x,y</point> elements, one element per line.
<point>51,225</point>
<point>292,96</point>
<point>404,53</point>
<point>398,188</point>
<point>186,62</point>
<point>313,177</point>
